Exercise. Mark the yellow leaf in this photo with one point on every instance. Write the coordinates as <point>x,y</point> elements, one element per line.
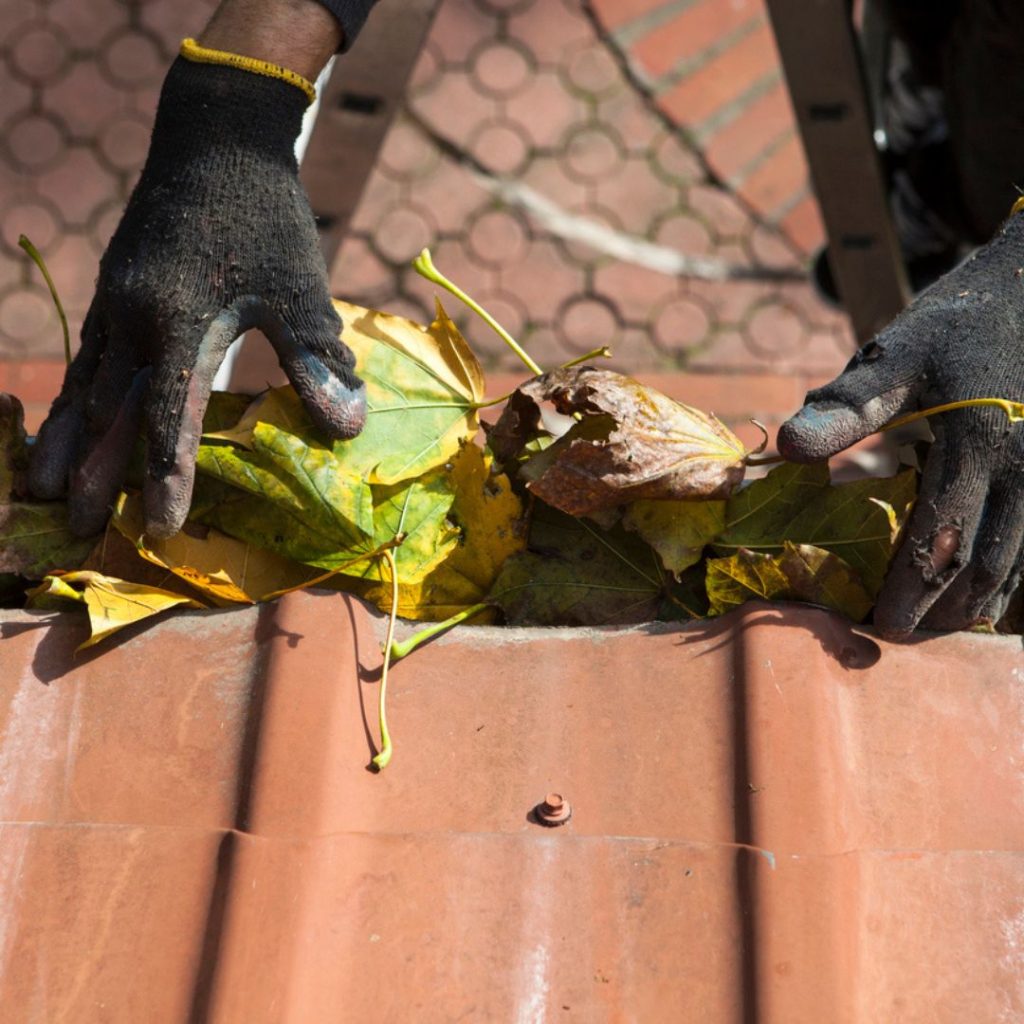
<point>226,570</point>
<point>489,517</point>
<point>112,603</point>
<point>677,530</point>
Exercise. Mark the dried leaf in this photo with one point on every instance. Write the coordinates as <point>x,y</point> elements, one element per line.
<point>630,442</point>
<point>112,603</point>
<point>678,530</point>
<point>799,504</point>
<point>489,517</point>
<point>575,574</point>
<point>800,572</point>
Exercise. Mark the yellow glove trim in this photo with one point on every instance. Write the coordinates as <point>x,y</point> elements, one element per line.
<point>1017,206</point>
<point>192,51</point>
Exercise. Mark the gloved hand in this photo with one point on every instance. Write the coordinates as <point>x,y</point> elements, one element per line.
<point>963,338</point>
<point>217,238</point>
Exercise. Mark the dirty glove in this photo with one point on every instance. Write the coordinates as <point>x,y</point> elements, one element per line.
<point>217,238</point>
<point>963,338</point>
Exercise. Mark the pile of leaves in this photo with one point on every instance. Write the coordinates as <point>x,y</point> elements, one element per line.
<point>592,500</point>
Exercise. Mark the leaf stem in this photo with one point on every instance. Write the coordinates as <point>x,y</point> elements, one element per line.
<point>377,552</point>
<point>604,352</point>
<point>37,258</point>
<point>400,648</point>
<point>424,266</point>
<point>1014,411</point>
<point>381,760</point>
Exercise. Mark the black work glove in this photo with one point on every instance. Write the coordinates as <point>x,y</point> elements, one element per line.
<point>217,238</point>
<point>963,338</point>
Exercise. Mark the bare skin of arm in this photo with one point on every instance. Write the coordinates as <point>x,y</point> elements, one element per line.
<point>300,35</point>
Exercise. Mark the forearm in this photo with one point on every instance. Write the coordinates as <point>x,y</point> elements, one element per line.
<point>300,35</point>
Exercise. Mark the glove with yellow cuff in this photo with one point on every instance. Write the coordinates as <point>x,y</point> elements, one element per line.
<point>217,238</point>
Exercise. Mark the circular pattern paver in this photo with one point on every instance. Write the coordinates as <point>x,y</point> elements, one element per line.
<point>402,234</point>
<point>501,146</point>
<point>680,325</point>
<point>498,237</point>
<point>594,151</point>
<point>39,53</point>
<point>35,141</point>
<point>38,221</point>
<point>588,322</point>
<point>501,69</point>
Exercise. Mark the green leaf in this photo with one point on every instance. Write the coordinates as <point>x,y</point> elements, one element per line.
<point>299,478</point>
<point>798,504</point>
<point>316,536</point>
<point>575,574</point>
<point>35,538</point>
<point>801,572</point>
<point>677,530</point>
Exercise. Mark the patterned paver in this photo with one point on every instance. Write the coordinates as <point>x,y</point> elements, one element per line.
<point>620,173</point>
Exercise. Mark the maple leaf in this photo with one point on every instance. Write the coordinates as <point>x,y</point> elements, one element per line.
<point>112,603</point>
<point>800,572</point>
<point>629,442</point>
<point>489,519</point>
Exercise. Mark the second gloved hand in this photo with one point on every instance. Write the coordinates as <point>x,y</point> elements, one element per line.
<point>217,238</point>
<point>963,338</point>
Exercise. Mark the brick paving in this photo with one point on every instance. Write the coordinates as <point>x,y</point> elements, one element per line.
<point>554,154</point>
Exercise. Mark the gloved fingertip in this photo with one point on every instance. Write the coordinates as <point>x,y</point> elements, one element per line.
<point>166,503</point>
<point>54,452</point>
<point>336,406</point>
<point>817,432</point>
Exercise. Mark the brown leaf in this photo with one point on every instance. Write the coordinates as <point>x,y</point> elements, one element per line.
<point>629,442</point>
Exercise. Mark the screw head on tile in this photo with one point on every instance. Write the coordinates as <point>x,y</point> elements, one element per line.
<point>553,811</point>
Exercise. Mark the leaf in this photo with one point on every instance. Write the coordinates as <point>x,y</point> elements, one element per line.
<point>677,530</point>
<point>800,572</point>
<point>858,521</point>
<point>226,570</point>
<point>13,449</point>
<point>489,517</point>
<point>303,481</point>
<point>224,410</point>
<point>422,390</point>
<point>296,519</point>
<point>630,442</point>
<point>281,407</point>
<point>112,603</point>
<point>35,538</point>
<point>575,574</point>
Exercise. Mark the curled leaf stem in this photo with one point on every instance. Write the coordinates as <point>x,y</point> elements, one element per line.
<point>37,258</point>
<point>424,266</point>
<point>380,761</point>
<point>400,648</point>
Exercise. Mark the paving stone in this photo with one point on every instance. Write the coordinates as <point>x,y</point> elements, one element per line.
<point>529,88</point>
